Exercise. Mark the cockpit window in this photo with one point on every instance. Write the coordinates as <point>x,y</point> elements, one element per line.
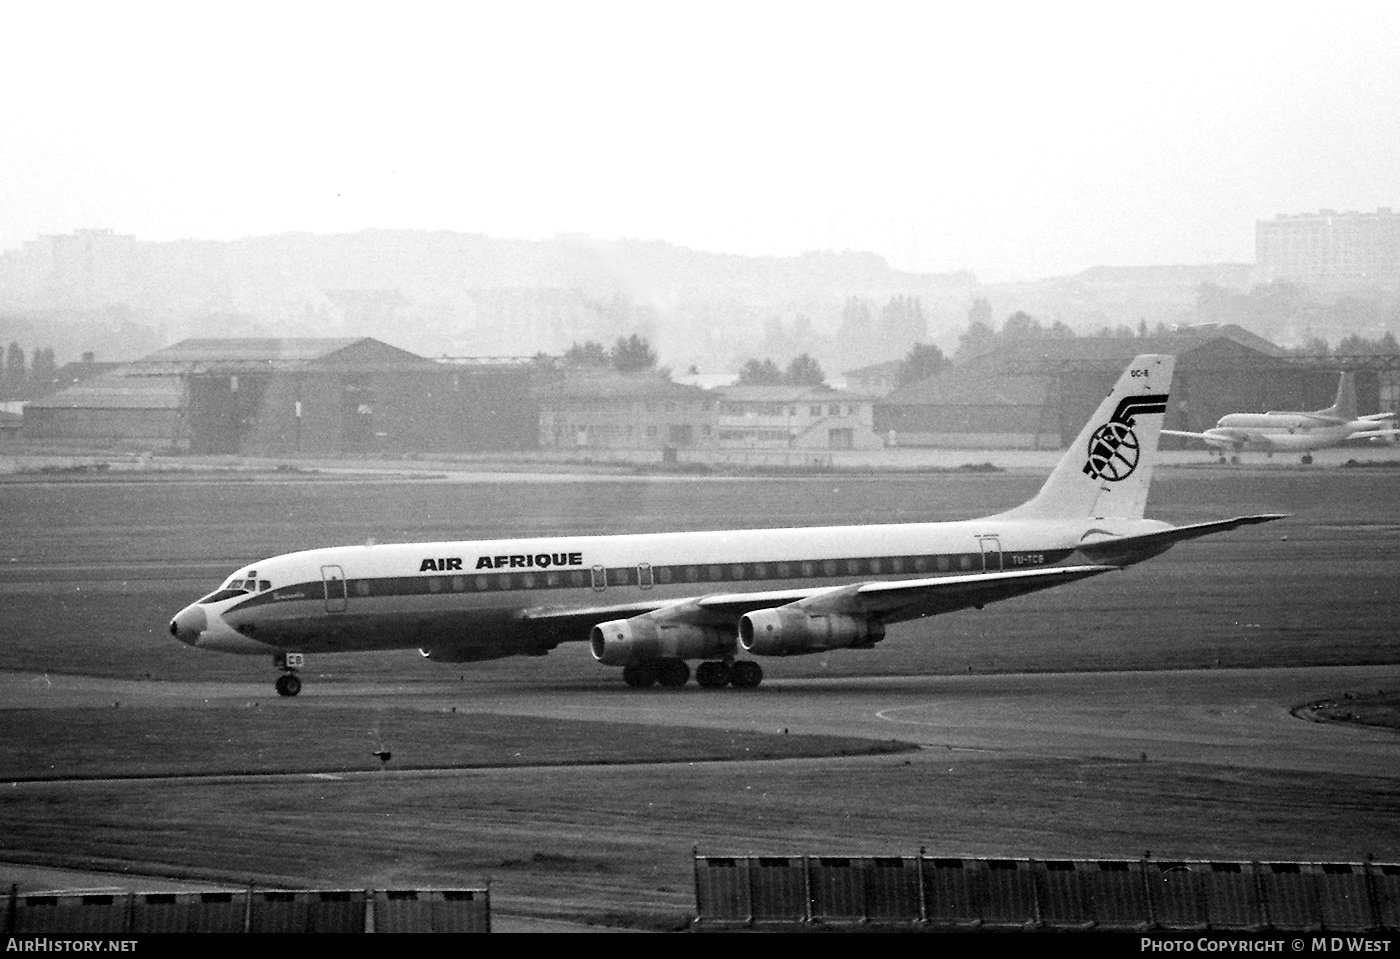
<point>243,582</point>
<point>251,583</point>
<point>222,595</point>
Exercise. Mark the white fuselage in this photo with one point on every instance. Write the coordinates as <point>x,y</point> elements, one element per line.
<point>651,603</point>
<point>1285,432</point>
<point>413,595</point>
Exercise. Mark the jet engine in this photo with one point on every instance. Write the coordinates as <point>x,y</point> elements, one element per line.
<point>642,639</point>
<point>793,632</point>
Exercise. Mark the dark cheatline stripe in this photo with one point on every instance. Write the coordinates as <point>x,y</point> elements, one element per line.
<point>754,574</point>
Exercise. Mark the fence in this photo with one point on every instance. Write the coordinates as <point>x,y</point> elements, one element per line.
<point>261,910</point>
<point>1121,895</point>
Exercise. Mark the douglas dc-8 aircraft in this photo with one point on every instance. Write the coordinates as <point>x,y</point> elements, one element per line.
<point>650,602</point>
<point>1286,432</point>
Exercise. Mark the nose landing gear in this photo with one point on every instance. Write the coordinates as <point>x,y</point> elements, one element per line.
<point>288,684</point>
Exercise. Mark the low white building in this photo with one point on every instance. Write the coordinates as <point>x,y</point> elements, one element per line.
<point>795,417</point>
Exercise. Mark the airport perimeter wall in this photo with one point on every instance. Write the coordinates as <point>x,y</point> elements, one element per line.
<point>262,910</point>
<point>1034,894</point>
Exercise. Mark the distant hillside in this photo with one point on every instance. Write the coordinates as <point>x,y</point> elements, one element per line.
<point>194,271</point>
<point>470,294</point>
<point>1113,295</point>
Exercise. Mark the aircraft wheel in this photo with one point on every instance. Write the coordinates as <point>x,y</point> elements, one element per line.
<point>673,673</point>
<point>746,674</point>
<point>638,677</point>
<point>288,685</point>
<point>713,675</point>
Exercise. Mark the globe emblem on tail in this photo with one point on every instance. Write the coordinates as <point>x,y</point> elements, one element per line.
<point>1114,449</point>
<point>1113,452</point>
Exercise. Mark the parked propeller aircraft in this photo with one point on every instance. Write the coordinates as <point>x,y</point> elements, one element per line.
<point>649,603</point>
<point>1288,432</point>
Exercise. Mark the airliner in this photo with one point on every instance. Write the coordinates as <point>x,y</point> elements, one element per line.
<point>652,603</point>
<point>1281,431</point>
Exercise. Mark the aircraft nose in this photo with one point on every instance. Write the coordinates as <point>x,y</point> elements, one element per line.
<point>188,624</point>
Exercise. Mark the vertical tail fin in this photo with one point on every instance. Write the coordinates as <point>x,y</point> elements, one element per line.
<point>1107,470</point>
<point>1344,406</point>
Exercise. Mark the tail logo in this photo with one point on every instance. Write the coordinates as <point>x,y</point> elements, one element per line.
<point>1114,448</point>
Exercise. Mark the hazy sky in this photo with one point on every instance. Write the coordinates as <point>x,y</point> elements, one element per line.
<point>1016,140</point>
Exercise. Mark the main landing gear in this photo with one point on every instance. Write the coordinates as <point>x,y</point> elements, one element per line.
<point>288,684</point>
<point>674,673</point>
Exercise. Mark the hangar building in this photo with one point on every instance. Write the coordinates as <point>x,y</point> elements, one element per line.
<point>297,396</point>
<point>1036,394</point>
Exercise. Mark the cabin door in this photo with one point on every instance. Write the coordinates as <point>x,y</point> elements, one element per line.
<point>991,553</point>
<point>334,578</point>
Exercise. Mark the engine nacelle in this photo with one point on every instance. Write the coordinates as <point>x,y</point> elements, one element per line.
<point>792,632</point>
<point>642,639</point>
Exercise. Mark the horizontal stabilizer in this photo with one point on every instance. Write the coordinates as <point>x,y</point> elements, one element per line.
<point>1124,550</point>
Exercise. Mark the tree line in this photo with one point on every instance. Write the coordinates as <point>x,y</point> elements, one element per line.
<point>629,354</point>
<point>24,378</point>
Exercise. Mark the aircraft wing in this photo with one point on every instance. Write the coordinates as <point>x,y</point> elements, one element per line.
<point>1218,436</point>
<point>586,617</point>
<point>902,600</point>
<point>891,600</point>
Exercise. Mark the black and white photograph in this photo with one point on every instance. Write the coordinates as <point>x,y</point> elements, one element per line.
<point>687,468</point>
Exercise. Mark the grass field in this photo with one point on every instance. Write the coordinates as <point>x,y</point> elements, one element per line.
<point>279,738</point>
<point>92,572</point>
